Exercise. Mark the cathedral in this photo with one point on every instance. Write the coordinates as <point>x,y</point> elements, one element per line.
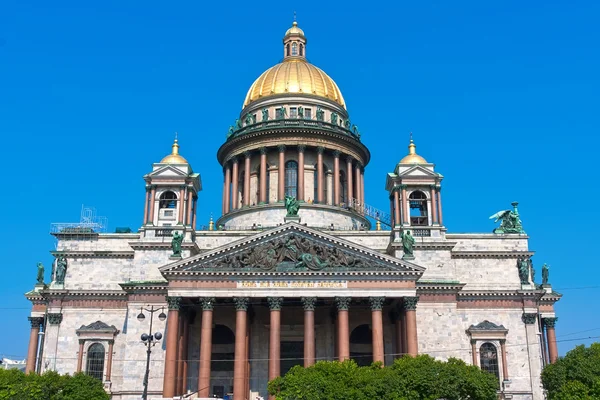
<point>297,269</point>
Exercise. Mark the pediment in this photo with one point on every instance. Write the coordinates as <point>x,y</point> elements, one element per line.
<point>167,171</point>
<point>417,171</point>
<point>293,248</point>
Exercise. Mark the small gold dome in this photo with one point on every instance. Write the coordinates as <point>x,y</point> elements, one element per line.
<point>294,30</point>
<point>174,157</point>
<point>413,157</point>
<point>297,76</point>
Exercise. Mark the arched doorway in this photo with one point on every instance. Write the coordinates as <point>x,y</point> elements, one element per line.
<point>361,345</point>
<point>221,365</point>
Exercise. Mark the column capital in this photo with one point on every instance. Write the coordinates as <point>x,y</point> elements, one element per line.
<point>410,303</point>
<point>473,341</point>
<point>275,303</point>
<point>301,148</point>
<point>309,303</point>
<point>110,342</point>
<point>529,318</point>
<point>241,303</point>
<point>403,186</point>
<point>550,322</point>
<point>281,148</point>
<point>263,150</point>
<point>55,318</point>
<point>350,159</point>
<point>208,303</point>
<point>81,341</point>
<point>247,154</point>
<point>336,153</point>
<point>376,303</point>
<point>35,322</point>
<point>343,303</point>
<point>173,303</point>
<point>502,342</point>
<point>320,149</point>
<point>432,187</point>
<point>234,160</point>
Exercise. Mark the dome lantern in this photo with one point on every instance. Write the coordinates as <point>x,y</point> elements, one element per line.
<point>294,42</point>
<point>174,157</point>
<point>412,157</point>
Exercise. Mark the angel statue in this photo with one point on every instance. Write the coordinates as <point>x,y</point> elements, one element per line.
<point>545,274</point>
<point>509,220</point>
<point>176,244</point>
<point>292,206</point>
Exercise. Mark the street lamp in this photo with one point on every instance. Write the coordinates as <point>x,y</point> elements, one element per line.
<point>150,340</point>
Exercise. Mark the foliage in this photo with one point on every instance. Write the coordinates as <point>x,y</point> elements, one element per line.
<point>15,385</point>
<point>409,378</point>
<point>575,376</point>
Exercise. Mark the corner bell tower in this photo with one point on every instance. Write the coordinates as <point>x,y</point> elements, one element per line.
<point>171,195</point>
<point>415,199</point>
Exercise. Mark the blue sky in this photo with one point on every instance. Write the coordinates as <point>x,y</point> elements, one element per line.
<point>502,96</point>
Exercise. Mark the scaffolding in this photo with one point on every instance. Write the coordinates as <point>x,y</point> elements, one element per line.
<point>371,212</point>
<point>89,225</point>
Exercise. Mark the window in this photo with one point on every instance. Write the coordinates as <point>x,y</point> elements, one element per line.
<point>95,361</point>
<point>361,345</point>
<point>489,359</point>
<point>287,50</point>
<point>301,50</point>
<point>293,112</point>
<point>291,179</point>
<point>294,49</point>
<point>307,113</point>
<point>418,208</point>
<point>167,200</point>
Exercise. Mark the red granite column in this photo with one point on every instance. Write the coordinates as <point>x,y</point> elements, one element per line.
<point>551,338</point>
<point>397,213</point>
<point>357,184</point>
<point>180,218</point>
<point>434,210</point>
<point>474,351</point>
<point>320,177</point>
<point>281,174</point>
<point>32,350</point>
<point>239,366</point>
<point>410,307</point>
<point>343,303</point>
<point>398,334</point>
<point>205,346</point>
<point>186,367</point>
<point>301,149</point>
<point>274,338</point>
<point>171,353</point>
<point>309,330</point>
<point>362,185</point>
<point>349,178</point>
<point>227,188</point>
<point>80,355</point>
<point>263,176</point>
<point>504,363</point>
<point>179,379</point>
<point>111,345</point>
<point>235,197</point>
<point>404,203</point>
<point>336,178</point>
<point>440,205</point>
<point>377,327</point>
<point>152,201</point>
<point>191,209</point>
<point>247,154</point>
<point>146,206</point>
<point>194,213</point>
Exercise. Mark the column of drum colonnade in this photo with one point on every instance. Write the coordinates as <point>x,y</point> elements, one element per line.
<point>406,332</point>
<point>400,205</point>
<point>232,167</point>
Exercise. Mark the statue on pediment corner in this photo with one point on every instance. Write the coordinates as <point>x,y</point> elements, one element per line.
<point>40,273</point>
<point>523,266</point>
<point>176,244</point>
<point>408,243</point>
<point>292,206</point>
<point>61,270</point>
<point>545,274</point>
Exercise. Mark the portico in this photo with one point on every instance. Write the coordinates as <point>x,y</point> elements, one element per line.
<point>337,302</point>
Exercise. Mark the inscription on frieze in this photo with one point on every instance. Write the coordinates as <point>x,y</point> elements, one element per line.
<point>292,284</point>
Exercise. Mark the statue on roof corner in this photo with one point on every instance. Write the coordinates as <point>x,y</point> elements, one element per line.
<point>545,274</point>
<point>61,270</point>
<point>408,243</point>
<point>40,273</point>
<point>176,244</point>
<point>292,206</point>
<point>509,220</point>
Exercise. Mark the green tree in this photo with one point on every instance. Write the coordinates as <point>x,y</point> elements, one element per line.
<point>15,385</point>
<point>575,376</point>
<point>409,378</point>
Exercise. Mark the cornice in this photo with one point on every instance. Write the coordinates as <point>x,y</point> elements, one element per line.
<point>145,287</point>
<point>66,294</point>
<point>435,245</point>
<point>439,287</point>
<point>93,254</point>
<point>492,254</point>
<point>499,294</point>
<point>192,246</point>
<point>375,275</point>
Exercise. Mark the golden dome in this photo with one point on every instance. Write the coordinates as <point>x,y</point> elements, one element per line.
<point>413,157</point>
<point>297,76</point>
<point>174,157</point>
<point>294,30</point>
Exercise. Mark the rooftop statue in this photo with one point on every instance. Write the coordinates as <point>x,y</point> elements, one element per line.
<point>408,243</point>
<point>320,114</point>
<point>61,270</point>
<point>300,112</point>
<point>292,206</point>
<point>545,274</point>
<point>40,273</point>
<point>176,244</point>
<point>524,266</point>
<point>334,118</point>
<point>509,220</point>
<point>230,132</point>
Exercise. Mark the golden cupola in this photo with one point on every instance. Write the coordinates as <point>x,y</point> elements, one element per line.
<point>174,157</point>
<point>412,157</point>
<point>295,75</point>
